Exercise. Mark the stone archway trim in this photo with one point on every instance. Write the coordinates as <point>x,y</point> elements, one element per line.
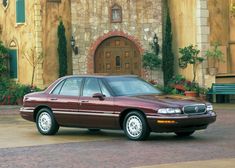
<point>98,41</point>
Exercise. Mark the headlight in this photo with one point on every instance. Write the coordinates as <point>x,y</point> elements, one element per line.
<point>209,107</point>
<point>169,111</point>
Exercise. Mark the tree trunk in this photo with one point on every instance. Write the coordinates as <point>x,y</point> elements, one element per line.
<point>194,72</point>
<point>32,80</point>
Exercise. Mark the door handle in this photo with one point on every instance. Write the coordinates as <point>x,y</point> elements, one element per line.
<point>53,99</point>
<point>84,101</point>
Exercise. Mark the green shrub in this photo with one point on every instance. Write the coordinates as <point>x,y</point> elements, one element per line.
<point>167,54</point>
<point>3,61</point>
<point>13,90</point>
<point>62,49</point>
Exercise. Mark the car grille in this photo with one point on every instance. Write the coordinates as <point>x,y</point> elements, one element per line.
<point>194,109</point>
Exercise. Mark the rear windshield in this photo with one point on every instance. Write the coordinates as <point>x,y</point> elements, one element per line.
<point>128,86</point>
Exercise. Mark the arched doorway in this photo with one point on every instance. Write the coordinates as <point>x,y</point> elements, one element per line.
<point>117,55</point>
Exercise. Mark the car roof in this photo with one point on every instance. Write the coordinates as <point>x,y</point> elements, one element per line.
<point>100,76</point>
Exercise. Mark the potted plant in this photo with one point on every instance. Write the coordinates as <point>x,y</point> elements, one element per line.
<point>189,55</point>
<point>177,82</point>
<point>191,89</point>
<point>203,92</point>
<point>215,55</point>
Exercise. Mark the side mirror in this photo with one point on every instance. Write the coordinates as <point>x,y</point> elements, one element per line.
<point>98,95</point>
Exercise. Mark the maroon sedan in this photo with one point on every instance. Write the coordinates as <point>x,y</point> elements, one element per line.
<point>114,102</point>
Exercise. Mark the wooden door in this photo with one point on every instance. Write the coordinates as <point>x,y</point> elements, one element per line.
<point>117,56</point>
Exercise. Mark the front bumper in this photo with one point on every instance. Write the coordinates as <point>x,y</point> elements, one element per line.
<point>180,123</point>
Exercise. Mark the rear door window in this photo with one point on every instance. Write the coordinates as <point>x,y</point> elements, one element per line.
<point>69,87</point>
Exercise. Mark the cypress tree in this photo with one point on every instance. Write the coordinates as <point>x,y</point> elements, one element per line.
<point>168,57</point>
<point>62,49</point>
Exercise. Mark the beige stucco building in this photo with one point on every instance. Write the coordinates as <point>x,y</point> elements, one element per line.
<point>32,32</point>
<point>111,35</point>
<point>201,23</point>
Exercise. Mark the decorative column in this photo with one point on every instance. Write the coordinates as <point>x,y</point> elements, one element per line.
<point>75,23</point>
<point>203,43</point>
<point>38,43</point>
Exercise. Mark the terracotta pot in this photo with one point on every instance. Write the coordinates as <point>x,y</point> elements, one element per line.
<point>179,87</point>
<point>202,96</point>
<point>191,93</point>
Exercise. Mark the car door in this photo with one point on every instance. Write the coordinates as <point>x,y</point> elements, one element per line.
<point>63,101</point>
<point>97,112</point>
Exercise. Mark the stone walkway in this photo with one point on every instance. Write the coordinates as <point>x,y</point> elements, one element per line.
<point>9,109</point>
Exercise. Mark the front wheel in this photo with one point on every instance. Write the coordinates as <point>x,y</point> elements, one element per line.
<point>46,122</point>
<point>184,134</point>
<point>135,126</point>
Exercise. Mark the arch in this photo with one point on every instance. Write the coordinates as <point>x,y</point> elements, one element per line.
<point>98,41</point>
<point>13,44</point>
<point>5,4</point>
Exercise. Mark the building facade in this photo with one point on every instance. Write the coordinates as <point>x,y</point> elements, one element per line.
<point>29,29</point>
<point>202,23</point>
<point>110,36</point>
<point>113,34</point>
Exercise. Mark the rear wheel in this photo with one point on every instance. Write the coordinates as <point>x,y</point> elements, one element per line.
<point>184,134</point>
<point>46,123</point>
<point>135,126</point>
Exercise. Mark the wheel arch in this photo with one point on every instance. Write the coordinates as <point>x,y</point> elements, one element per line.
<point>37,109</point>
<point>125,112</point>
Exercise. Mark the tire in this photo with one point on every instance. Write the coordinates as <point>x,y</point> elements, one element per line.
<point>135,126</point>
<point>46,123</point>
<point>184,134</point>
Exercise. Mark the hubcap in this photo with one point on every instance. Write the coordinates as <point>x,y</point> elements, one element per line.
<point>44,121</point>
<point>134,126</point>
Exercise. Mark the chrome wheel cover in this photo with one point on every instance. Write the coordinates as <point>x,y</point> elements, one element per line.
<point>44,122</point>
<point>134,126</point>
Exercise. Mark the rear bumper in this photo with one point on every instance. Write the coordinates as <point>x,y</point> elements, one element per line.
<point>180,123</point>
<point>27,113</point>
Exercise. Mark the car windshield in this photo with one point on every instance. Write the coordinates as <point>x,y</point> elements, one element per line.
<point>130,86</point>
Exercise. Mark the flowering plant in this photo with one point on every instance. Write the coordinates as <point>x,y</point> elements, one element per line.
<point>191,86</point>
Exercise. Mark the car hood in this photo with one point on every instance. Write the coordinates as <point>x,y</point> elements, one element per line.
<point>170,100</point>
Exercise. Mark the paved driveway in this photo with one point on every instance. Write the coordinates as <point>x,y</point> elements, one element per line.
<point>22,146</point>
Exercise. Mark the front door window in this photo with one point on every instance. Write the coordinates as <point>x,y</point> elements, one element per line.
<point>91,86</point>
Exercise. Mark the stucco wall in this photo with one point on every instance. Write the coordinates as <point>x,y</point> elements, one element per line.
<point>222,27</point>
<point>40,31</point>
<point>21,34</point>
<point>91,21</point>
<point>183,19</point>
<point>52,12</point>
<point>219,20</point>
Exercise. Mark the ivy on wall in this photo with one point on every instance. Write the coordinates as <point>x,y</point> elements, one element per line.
<point>168,56</point>
<point>150,59</point>
<point>62,49</point>
<point>3,60</point>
